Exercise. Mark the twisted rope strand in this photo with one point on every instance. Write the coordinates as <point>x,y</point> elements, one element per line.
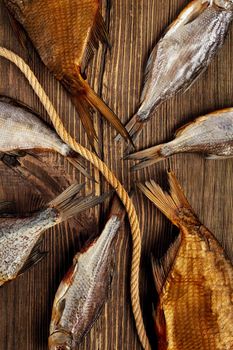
<point>109,176</point>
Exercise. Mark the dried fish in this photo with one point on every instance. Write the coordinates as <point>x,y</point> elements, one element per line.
<point>84,289</point>
<point>22,130</point>
<point>211,134</point>
<point>194,280</point>
<point>182,54</point>
<point>65,34</point>
<point>20,237</point>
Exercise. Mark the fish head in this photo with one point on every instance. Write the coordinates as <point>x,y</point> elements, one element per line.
<point>60,340</point>
<point>225,4</point>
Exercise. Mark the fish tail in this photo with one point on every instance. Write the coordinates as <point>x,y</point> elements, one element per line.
<point>83,109</point>
<point>68,204</point>
<point>89,99</point>
<point>133,127</point>
<point>147,157</point>
<point>172,205</point>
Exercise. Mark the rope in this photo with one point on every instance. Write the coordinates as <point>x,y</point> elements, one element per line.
<point>109,176</point>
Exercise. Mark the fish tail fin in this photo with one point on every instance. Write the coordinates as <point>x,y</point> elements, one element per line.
<point>90,99</point>
<point>133,127</point>
<point>68,204</point>
<point>171,204</point>
<point>147,157</point>
<point>83,109</point>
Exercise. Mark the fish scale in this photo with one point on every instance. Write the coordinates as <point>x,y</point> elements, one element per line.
<point>186,286</point>
<point>63,42</point>
<point>19,239</point>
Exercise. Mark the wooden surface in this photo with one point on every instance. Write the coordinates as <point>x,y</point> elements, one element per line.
<point>134,26</point>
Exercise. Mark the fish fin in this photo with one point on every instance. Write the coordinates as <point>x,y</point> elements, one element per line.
<point>20,34</point>
<point>79,165</point>
<point>6,207</point>
<point>95,101</point>
<point>84,113</point>
<point>32,260</point>
<point>35,256</point>
<point>68,204</point>
<point>169,204</point>
<point>133,127</point>
<point>148,157</point>
<point>215,156</point>
<point>159,274</point>
<point>162,267</point>
<point>161,329</point>
<point>18,30</point>
<point>33,169</point>
<point>98,33</point>
<point>10,160</point>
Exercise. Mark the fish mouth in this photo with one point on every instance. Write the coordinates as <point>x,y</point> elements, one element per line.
<point>60,340</point>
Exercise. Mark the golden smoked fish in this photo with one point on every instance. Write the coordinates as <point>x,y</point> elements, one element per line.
<point>65,34</point>
<point>211,134</point>
<point>85,288</point>
<point>20,236</point>
<point>182,54</point>
<point>194,280</point>
<point>22,130</point>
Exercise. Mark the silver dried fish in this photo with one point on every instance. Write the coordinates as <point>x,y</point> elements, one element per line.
<point>22,130</point>
<point>84,289</point>
<point>20,237</point>
<point>211,134</point>
<point>182,54</point>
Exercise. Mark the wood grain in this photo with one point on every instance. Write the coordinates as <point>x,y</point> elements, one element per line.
<point>134,26</point>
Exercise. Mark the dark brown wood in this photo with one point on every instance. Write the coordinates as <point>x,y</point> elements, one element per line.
<point>134,26</point>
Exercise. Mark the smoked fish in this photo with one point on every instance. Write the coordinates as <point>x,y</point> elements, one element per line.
<point>22,130</point>
<point>211,134</point>
<point>20,237</point>
<point>194,280</point>
<point>182,54</point>
<point>84,289</point>
<point>65,34</point>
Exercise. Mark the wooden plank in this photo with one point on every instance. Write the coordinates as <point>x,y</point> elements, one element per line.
<point>117,75</point>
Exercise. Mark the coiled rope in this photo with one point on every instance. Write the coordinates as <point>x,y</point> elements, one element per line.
<point>109,176</point>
